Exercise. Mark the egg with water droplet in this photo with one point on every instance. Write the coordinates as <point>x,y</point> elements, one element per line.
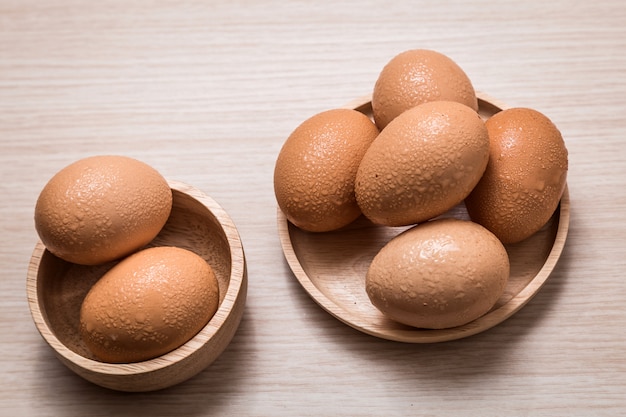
<point>316,167</point>
<point>438,151</point>
<point>525,177</point>
<point>102,208</point>
<point>148,304</point>
<point>439,274</point>
<point>418,76</point>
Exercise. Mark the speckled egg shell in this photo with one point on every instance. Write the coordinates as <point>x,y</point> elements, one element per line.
<point>440,274</point>
<point>525,177</point>
<point>101,208</point>
<point>422,164</point>
<point>148,304</point>
<point>417,76</point>
<point>316,169</point>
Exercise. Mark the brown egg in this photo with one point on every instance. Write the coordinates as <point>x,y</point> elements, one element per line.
<point>417,76</point>
<point>525,177</point>
<point>148,304</point>
<point>101,208</point>
<point>422,164</point>
<point>440,274</point>
<point>316,169</point>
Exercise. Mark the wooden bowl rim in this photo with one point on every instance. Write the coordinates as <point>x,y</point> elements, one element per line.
<point>236,284</point>
<point>489,320</point>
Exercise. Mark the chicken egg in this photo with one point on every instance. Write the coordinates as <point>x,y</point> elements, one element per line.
<point>439,274</point>
<point>148,304</point>
<point>426,161</point>
<point>417,76</point>
<point>525,177</point>
<point>102,208</point>
<point>316,169</point>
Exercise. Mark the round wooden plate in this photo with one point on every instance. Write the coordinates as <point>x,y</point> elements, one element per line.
<point>331,266</point>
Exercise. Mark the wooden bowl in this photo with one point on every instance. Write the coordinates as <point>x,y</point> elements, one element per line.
<point>331,266</point>
<point>56,289</point>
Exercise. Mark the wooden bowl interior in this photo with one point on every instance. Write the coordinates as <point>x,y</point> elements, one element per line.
<point>57,288</point>
<point>332,266</point>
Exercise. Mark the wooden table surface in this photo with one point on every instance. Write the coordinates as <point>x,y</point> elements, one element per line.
<point>206,92</point>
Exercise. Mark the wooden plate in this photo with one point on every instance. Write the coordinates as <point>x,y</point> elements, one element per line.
<point>331,266</point>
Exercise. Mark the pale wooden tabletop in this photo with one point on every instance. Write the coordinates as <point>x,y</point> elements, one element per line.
<point>207,91</point>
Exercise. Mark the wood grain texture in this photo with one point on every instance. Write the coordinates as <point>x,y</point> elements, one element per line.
<point>206,92</point>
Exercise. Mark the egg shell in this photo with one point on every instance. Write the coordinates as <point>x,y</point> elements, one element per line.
<point>316,169</point>
<point>101,208</point>
<point>148,304</point>
<point>440,274</point>
<point>422,164</point>
<point>525,177</point>
<point>417,76</point>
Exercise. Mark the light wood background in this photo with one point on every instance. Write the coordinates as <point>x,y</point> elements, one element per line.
<point>207,91</point>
